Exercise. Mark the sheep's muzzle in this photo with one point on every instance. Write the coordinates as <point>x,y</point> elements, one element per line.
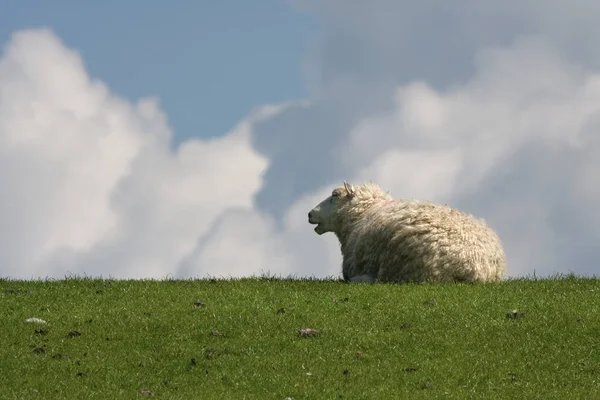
<point>312,219</point>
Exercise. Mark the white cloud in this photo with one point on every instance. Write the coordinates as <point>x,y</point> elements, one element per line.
<point>513,145</point>
<point>418,174</point>
<point>241,242</point>
<point>89,183</point>
<point>249,242</point>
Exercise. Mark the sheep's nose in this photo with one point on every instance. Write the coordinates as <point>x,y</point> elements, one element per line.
<point>309,215</point>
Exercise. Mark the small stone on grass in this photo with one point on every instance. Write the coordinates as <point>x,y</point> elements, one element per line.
<point>146,392</point>
<point>308,332</point>
<point>515,314</point>
<point>35,320</point>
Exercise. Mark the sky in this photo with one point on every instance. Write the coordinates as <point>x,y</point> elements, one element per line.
<point>208,62</point>
<point>142,141</point>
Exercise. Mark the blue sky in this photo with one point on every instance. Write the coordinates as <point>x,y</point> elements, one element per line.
<point>210,63</point>
<point>491,107</point>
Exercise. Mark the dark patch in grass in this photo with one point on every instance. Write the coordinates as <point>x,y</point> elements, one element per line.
<point>405,325</point>
<point>40,349</point>
<point>16,291</point>
<point>217,333</point>
<point>199,304</point>
<point>410,369</point>
<point>344,300</point>
<point>430,302</point>
<point>81,374</point>
<point>513,376</point>
<point>192,363</point>
<point>427,385</point>
<point>60,356</point>
<point>42,331</point>
<point>347,372</point>
<point>73,334</point>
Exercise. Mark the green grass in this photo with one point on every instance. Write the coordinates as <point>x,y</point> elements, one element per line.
<point>148,339</point>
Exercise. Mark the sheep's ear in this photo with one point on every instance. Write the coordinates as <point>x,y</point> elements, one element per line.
<point>349,189</point>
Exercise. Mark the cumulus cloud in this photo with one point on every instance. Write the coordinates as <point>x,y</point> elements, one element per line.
<point>89,183</point>
<point>492,108</point>
<point>514,145</point>
<point>250,242</point>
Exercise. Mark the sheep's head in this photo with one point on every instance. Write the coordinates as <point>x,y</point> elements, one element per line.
<point>324,214</point>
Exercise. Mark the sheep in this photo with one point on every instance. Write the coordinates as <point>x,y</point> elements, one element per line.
<point>387,240</point>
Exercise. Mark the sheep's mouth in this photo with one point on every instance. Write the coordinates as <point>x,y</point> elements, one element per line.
<point>319,228</point>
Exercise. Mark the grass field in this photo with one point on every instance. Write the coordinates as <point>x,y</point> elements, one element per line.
<point>239,339</point>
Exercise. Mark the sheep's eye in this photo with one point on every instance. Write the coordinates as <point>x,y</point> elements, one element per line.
<point>335,194</point>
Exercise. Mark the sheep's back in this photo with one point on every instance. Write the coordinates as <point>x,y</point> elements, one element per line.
<point>417,239</point>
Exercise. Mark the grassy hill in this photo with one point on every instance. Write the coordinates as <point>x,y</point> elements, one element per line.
<point>239,339</point>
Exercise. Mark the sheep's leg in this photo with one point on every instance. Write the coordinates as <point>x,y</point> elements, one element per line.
<point>362,279</point>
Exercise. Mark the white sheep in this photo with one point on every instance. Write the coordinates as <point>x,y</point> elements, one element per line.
<point>389,240</point>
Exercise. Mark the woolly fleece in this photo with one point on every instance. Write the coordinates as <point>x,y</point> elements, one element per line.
<point>389,240</point>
